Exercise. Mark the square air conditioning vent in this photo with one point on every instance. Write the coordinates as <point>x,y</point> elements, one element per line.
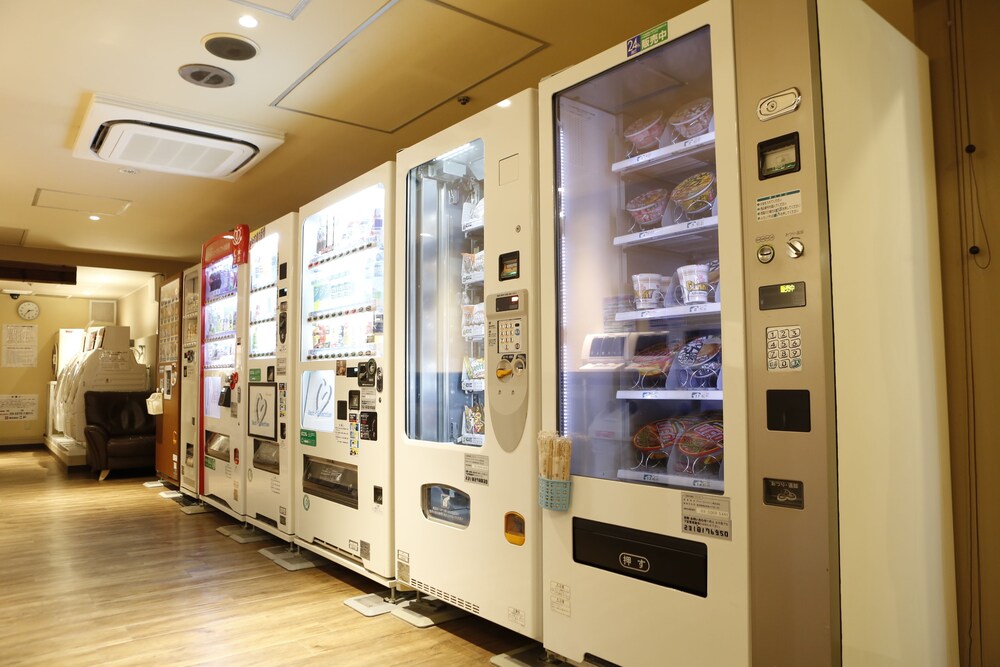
<point>136,135</point>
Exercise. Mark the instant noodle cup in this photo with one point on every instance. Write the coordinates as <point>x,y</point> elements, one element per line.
<point>646,131</point>
<point>695,194</point>
<point>647,209</point>
<point>693,118</point>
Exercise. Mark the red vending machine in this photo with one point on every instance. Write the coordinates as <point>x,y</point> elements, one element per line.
<point>223,280</point>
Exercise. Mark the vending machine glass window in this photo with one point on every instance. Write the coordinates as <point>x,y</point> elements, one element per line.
<point>263,296</point>
<point>343,248</point>
<point>445,310</point>
<point>639,321</point>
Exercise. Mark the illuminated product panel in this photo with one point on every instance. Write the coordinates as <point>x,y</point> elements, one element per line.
<point>271,381</point>
<point>224,456</point>
<point>343,435</point>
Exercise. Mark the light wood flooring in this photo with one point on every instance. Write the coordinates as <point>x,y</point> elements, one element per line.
<point>113,574</point>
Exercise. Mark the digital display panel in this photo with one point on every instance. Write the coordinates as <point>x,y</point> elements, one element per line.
<point>784,295</point>
<point>508,303</point>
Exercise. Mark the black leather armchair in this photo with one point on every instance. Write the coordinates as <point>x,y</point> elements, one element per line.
<point>120,433</point>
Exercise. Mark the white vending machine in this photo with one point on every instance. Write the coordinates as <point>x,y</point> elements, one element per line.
<point>467,516</point>
<point>270,376</point>
<point>224,283</point>
<point>715,204</point>
<point>190,432</point>
<point>344,439</point>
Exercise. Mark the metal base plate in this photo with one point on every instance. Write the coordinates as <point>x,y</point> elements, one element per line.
<point>291,560</point>
<point>532,655</point>
<point>374,604</point>
<point>195,508</point>
<point>427,612</point>
<point>242,534</point>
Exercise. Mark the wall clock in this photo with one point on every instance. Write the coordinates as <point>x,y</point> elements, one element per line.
<point>28,310</point>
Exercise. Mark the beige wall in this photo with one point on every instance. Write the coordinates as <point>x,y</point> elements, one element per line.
<point>56,313</point>
<point>138,311</point>
<point>960,38</point>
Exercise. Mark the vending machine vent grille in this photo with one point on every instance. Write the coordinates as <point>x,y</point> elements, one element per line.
<point>444,596</point>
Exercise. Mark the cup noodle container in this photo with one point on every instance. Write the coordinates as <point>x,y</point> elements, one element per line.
<point>693,118</point>
<point>693,279</point>
<point>646,288</point>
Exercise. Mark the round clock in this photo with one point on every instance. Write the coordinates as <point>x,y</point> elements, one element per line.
<point>28,310</point>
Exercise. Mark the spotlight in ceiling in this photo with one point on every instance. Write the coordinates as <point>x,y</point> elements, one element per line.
<point>248,21</point>
<point>229,46</point>
<point>95,218</point>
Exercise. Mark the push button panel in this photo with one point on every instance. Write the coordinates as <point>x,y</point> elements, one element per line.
<point>784,349</point>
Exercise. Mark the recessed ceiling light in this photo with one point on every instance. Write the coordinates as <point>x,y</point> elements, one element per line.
<point>503,104</point>
<point>248,21</point>
<point>95,218</point>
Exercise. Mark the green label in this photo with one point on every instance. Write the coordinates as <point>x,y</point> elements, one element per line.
<point>307,437</point>
<point>210,463</point>
<point>255,375</point>
<point>646,40</point>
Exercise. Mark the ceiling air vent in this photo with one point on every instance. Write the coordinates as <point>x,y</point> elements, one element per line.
<point>128,133</point>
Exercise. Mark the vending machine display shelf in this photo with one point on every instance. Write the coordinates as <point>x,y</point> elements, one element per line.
<point>257,355</point>
<point>670,312</point>
<point>315,355</point>
<point>219,335</point>
<point>319,260</point>
<point>263,320</point>
<point>474,385</point>
<point>216,298</point>
<point>261,288</point>
<point>329,314</point>
<point>694,153</point>
<point>701,231</point>
<point>670,394</point>
<point>712,483</point>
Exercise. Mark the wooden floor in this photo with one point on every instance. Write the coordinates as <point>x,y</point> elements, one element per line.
<point>112,574</point>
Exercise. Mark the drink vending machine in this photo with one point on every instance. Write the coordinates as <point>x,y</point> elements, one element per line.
<point>270,368</point>
<point>344,438</point>
<point>168,368</point>
<point>224,283</point>
<point>467,516</point>
<point>190,430</point>
<point>711,335</point>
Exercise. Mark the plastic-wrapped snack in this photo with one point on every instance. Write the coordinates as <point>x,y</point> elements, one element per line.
<point>475,424</point>
<point>474,368</point>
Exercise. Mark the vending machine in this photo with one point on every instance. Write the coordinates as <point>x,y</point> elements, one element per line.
<point>167,384</point>
<point>344,443</point>
<point>467,516</point>
<point>270,376</point>
<point>224,284</point>
<point>190,383</point>
<point>730,354</point>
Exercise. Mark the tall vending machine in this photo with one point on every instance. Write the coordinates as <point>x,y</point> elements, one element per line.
<point>344,439</point>
<point>715,205</point>
<point>224,284</point>
<point>190,382</point>
<point>467,517</point>
<point>167,371</point>
<point>270,374</point>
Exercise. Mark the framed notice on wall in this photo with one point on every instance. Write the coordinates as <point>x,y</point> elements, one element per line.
<point>20,346</point>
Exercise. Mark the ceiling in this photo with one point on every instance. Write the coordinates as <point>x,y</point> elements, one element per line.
<point>348,83</point>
